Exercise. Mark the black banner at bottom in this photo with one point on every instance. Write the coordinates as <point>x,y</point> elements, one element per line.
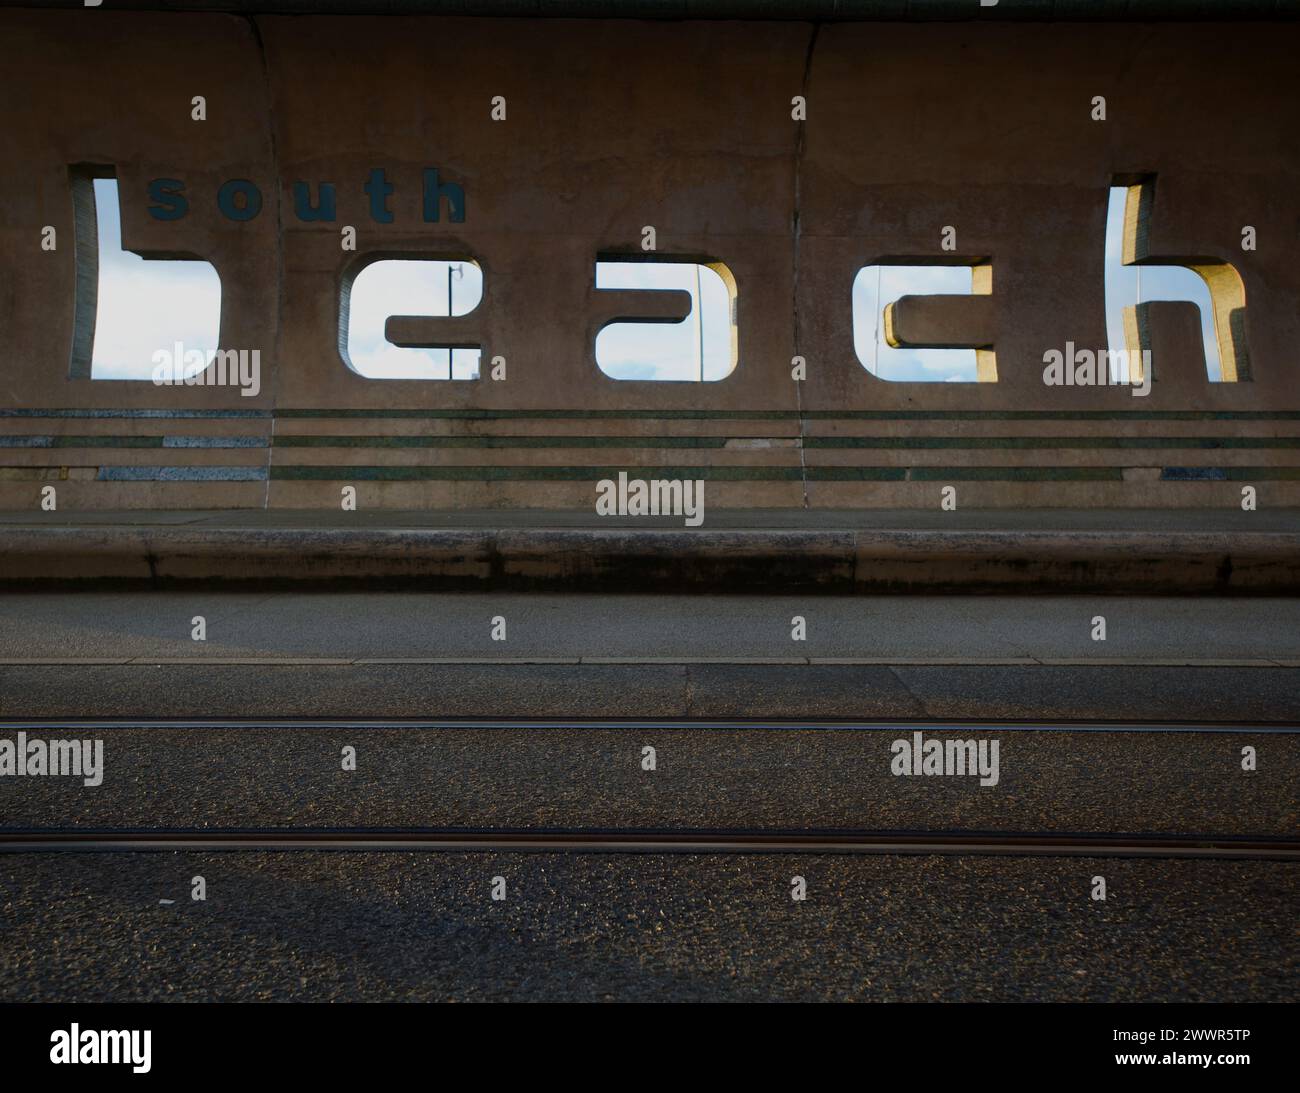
<point>182,1042</point>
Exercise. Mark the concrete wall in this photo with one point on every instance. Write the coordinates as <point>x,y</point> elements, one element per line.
<point>613,125</point>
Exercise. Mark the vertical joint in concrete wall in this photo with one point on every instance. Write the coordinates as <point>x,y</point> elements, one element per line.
<point>800,142</point>
<point>795,227</point>
<point>269,92</point>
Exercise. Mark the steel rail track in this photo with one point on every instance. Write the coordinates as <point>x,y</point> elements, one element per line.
<point>646,841</point>
<point>777,724</point>
<point>655,841</point>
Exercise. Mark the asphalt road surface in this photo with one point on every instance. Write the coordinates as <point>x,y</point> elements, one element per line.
<point>341,926</point>
<point>512,778</point>
<point>1080,755</point>
<point>351,626</point>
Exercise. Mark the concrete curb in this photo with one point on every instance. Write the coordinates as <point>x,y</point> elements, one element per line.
<point>581,559</point>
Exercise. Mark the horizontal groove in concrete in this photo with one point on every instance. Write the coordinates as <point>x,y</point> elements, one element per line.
<point>589,559</point>
<point>829,11</point>
<point>591,779</point>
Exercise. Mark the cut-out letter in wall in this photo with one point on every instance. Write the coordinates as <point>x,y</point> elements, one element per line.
<point>1136,279</point>
<point>680,324</point>
<point>928,323</point>
<point>132,305</point>
<point>401,318</point>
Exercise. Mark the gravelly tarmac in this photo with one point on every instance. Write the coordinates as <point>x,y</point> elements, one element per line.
<point>592,778</point>
<point>421,925</point>
<point>340,926</point>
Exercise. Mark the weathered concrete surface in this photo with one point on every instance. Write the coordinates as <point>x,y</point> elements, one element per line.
<point>910,128</point>
<point>1226,553</point>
